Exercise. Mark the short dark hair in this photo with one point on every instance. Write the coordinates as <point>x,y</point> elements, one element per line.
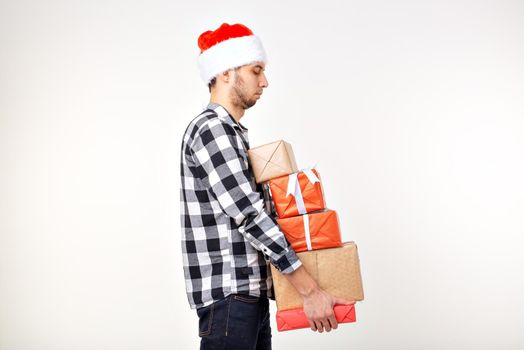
<point>212,83</point>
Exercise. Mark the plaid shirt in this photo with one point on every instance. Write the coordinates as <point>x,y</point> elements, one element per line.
<point>227,236</point>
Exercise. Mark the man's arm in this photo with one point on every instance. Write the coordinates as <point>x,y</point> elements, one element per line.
<point>222,165</point>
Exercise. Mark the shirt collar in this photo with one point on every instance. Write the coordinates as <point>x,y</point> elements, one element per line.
<point>224,115</point>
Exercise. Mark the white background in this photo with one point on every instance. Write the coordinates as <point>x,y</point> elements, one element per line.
<point>412,111</point>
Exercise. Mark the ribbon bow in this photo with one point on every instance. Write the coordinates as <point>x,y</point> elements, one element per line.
<point>293,187</point>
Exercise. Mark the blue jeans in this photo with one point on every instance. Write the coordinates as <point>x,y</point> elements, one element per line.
<point>237,322</point>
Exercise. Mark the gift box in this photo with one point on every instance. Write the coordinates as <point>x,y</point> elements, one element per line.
<point>272,160</point>
<point>336,270</point>
<point>312,231</point>
<point>296,318</point>
<point>297,193</point>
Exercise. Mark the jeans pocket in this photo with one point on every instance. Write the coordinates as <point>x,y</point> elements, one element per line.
<point>246,298</point>
<point>205,315</point>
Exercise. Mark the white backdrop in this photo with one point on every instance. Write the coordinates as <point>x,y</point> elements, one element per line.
<point>412,111</point>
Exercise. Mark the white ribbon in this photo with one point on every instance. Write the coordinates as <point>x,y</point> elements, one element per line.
<point>293,188</point>
<point>306,231</point>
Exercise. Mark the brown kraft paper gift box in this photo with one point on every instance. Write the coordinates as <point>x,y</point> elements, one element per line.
<point>272,160</point>
<point>336,270</point>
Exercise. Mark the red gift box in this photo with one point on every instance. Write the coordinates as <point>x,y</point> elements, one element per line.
<point>296,318</point>
<point>312,231</point>
<point>297,193</point>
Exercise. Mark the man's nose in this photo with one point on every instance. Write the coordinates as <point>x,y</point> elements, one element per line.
<point>263,81</point>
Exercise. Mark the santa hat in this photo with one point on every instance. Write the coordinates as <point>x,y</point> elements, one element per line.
<point>228,47</point>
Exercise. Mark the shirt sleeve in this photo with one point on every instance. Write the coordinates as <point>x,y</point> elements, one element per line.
<point>222,164</point>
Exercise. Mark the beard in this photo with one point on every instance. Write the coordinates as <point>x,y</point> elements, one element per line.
<point>238,94</point>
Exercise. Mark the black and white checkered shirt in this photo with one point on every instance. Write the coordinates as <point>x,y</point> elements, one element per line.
<point>227,237</point>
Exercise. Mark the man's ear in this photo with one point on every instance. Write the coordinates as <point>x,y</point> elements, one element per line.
<point>225,76</point>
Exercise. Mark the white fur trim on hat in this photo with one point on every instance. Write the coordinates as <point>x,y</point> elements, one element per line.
<point>230,54</point>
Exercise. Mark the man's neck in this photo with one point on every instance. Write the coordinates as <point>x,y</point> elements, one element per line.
<point>236,112</point>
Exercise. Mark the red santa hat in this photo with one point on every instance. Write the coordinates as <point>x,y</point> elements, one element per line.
<point>228,47</point>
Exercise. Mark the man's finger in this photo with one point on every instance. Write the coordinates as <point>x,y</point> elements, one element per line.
<point>333,322</point>
<point>312,326</point>
<point>327,325</point>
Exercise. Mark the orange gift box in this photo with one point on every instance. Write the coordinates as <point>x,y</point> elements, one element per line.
<point>296,318</point>
<point>297,193</point>
<point>312,231</point>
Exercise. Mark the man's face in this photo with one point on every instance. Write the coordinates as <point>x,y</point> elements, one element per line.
<point>248,84</point>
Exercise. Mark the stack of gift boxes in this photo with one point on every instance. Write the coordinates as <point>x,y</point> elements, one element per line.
<point>296,200</point>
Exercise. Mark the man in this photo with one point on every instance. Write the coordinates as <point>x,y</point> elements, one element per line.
<point>227,237</point>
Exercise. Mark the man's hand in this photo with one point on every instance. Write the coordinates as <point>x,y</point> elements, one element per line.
<point>318,304</point>
<point>318,307</point>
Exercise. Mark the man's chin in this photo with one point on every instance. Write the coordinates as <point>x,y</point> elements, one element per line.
<point>250,104</point>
